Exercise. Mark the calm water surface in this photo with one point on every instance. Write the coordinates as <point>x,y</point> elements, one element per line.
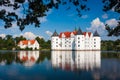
<point>59,65</point>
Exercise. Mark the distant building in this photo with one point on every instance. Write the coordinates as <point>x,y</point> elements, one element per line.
<point>28,44</point>
<point>76,40</point>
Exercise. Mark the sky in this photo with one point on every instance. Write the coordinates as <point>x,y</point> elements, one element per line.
<point>63,20</point>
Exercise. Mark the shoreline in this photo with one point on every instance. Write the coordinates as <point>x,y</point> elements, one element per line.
<point>104,51</point>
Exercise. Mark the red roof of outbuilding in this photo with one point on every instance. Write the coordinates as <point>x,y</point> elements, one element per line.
<point>25,42</point>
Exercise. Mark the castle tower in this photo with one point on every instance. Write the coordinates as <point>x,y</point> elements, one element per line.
<point>55,41</point>
<point>79,40</point>
<point>96,41</point>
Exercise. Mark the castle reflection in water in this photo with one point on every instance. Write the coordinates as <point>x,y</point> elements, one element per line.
<point>28,58</point>
<point>74,60</point>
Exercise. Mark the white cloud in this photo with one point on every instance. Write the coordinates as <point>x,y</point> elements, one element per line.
<point>3,35</point>
<point>110,37</point>
<point>40,36</point>
<point>84,16</point>
<point>96,24</point>
<point>105,16</point>
<point>10,9</point>
<point>112,22</point>
<point>30,35</point>
<point>43,19</point>
<point>49,33</point>
<point>49,12</point>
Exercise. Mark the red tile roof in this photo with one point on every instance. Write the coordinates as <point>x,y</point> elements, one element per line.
<point>67,34</point>
<point>89,33</point>
<point>25,42</point>
<point>25,58</point>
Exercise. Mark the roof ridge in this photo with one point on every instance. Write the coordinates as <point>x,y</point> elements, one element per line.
<point>96,34</point>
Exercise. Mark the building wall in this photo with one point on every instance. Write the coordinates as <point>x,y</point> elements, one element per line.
<point>96,43</point>
<point>79,42</point>
<point>55,43</point>
<point>76,42</point>
<point>33,46</point>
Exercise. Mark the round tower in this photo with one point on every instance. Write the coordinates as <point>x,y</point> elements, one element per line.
<point>55,41</point>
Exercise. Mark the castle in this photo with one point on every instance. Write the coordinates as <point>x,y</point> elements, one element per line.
<point>76,40</point>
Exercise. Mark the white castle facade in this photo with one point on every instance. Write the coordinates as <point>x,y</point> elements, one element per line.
<point>76,40</point>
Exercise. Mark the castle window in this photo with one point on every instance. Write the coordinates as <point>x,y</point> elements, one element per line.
<point>94,39</point>
<point>78,41</point>
<point>94,45</point>
<point>78,37</point>
<point>78,45</point>
<point>56,45</point>
<point>56,39</point>
<point>94,42</point>
<point>69,45</point>
<point>56,42</point>
<point>65,45</point>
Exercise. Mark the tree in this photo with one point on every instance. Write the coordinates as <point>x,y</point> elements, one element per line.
<point>9,42</point>
<point>41,41</point>
<point>33,10</point>
<point>111,4</point>
<point>113,31</point>
<point>115,6</point>
<point>18,39</point>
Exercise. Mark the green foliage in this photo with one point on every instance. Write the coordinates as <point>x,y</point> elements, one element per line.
<point>110,55</point>
<point>7,57</point>
<point>34,9</point>
<point>28,48</point>
<point>18,39</point>
<point>113,31</point>
<point>115,6</point>
<point>44,55</point>
<point>110,4</point>
<point>44,44</point>
<point>110,45</point>
<point>7,43</point>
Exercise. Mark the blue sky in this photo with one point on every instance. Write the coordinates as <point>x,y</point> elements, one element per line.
<point>62,20</point>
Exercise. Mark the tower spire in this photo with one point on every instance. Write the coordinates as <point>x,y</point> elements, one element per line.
<point>79,32</point>
<point>96,33</point>
<point>55,33</point>
<point>75,29</point>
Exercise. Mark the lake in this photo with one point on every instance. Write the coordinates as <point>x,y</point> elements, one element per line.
<point>59,65</point>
